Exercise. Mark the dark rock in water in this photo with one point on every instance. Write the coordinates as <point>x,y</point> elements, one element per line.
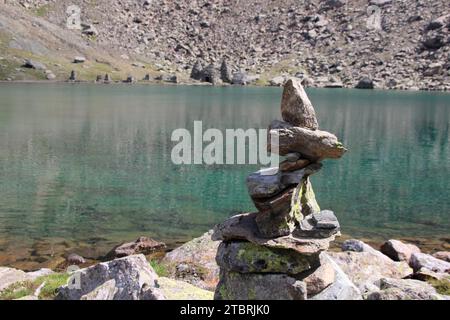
<point>314,145</point>
<point>399,251</point>
<point>401,289</point>
<point>426,261</point>
<point>225,72</point>
<point>209,74</point>
<point>32,64</point>
<point>73,76</point>
<point>296,108</point>
<point>146,77</point>
<point>133,277</point>
<point>246,257</point>
<point>75,259</point>
<point>142,245</point>
<point>365,83</point>
<point>197,71</point>
<point>442,255</point>
<point>254,286</point>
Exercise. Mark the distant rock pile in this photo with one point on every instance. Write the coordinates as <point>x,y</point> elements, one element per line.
<point>278,252</point>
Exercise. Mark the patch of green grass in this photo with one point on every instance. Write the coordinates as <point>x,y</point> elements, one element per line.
<point>159,268</point>
<point>17,291</point>
<point>441,286</point>
<point>42,10</point>
<point>52,283</point>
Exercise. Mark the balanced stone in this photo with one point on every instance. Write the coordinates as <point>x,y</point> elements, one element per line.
<point>296,108</point>
<point>292,166</point>
<point>313,145</point>
<point>310,227</point>
<point>244,227</point>
<point>246,257</point>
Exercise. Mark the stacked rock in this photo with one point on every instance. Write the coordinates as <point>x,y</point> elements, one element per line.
<point>276,253</point>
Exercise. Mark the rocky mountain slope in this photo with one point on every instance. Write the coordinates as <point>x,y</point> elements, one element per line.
<point>399,44</point>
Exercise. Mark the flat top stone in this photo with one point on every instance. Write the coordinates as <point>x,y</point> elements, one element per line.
<point>244,227</point>
<point>325,220</point>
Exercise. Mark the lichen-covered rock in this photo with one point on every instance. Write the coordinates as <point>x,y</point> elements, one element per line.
<point>195,262</point>
<point>422,260</point>
<point>400,289</point>
<point>133,276</point>
<point>254,286</point>
<point>246,257</point>
<point>399,251</point>
<point>296,108</point>
<point>314,145</point>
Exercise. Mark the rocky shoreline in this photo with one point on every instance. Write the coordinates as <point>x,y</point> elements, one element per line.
<point>395,272</point>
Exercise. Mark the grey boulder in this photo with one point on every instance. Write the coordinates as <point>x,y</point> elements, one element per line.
<point>422,260</point>
<point>134,279</point>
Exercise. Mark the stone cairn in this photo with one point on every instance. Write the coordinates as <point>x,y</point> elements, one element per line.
<point>276,253</point>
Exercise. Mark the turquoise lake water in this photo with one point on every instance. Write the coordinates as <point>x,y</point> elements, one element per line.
<point>92,163</point>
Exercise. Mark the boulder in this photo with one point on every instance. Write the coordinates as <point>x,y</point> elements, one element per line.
<point>341,289</point>
<point>277,81</point>
<point>105,291</point>
<point>196,72</point>
<point>225,72</point>
<point>134,279</point>
<point>320,278</point>
<point>366,268</point>
<point>32,64</point>
<point>79,59</point>
<point>9,276</point>
<point>398,289</point>
<point>195,262</point>
<point>254,286</point>
<point>422,260</point>
<point>296,108</point>
<point>399,251</point>
<point>240,78</point>
<point>244,227</point>
<point>142,245</point>
<point>246,257</point>
<point>210,75</point>
<point>314,145</point>
<point>442,255</point>
<point>73,76</point>
<point>365,83</point>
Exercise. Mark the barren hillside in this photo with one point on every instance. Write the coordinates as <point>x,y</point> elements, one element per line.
<point>396,43</point>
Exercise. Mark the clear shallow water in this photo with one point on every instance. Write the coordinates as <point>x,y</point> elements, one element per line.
<point>92,163</point>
